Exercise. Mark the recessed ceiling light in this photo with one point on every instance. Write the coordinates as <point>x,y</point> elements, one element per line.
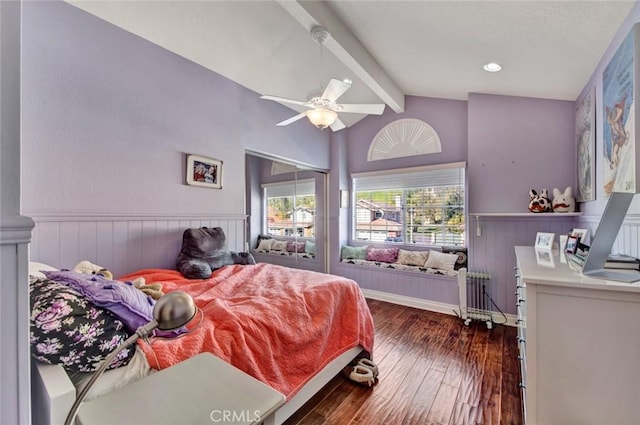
<point>492,67</point>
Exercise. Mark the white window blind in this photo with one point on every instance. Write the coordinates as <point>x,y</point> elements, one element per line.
<point>300,188</point>
<point>420,205</point>
<point>411,178</point>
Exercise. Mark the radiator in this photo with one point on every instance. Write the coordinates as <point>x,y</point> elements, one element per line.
<point>475,300</point>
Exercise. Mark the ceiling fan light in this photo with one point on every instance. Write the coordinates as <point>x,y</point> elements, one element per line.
<point>321,117</point>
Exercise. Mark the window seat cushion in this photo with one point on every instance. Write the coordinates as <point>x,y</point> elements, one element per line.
<point>286,253</point>
<point>438,262</point>
<point>398,266</point>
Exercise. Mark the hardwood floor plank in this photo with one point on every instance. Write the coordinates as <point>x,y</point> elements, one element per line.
<point>424,398</point>
<point>433,370</point>
<point>442,407</point>
<point>491,384</point>
<point>471,382</point>
<point>510,393</point>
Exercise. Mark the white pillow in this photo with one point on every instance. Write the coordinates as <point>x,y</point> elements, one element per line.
<point>440,260</point>
<point>36,269</point>
<point>265,245</point>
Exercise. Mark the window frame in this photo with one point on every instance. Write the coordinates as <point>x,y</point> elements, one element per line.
<point>353,221</point>
<point>294,184</point>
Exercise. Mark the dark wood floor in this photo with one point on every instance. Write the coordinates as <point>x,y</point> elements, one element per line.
<point>433,370</point>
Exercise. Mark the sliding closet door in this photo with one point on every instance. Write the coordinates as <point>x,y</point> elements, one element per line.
<point>288,202</point>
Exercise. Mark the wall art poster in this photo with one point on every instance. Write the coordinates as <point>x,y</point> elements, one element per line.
<point>619,96</point>
<point>586,145</point>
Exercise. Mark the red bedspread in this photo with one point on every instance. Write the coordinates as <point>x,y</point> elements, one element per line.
<point>278,324</point>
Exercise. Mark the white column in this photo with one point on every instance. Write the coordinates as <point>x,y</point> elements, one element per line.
<point>15,232</point>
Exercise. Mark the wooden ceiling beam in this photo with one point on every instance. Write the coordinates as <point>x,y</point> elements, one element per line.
<point>348,49</point>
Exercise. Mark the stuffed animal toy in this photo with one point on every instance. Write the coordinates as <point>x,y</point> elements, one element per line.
<point>154,290</point>
<point>205,250</point>
<point>87,267</point>
<point>563,201</point>
<point>539,203</point>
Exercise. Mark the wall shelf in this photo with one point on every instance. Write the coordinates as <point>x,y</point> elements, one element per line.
<point>519,214</point>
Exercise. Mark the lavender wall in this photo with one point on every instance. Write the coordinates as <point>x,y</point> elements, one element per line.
<point>517,144</point>
<point>447,117</point>
<point>511,144</point>
<point>108,118</point>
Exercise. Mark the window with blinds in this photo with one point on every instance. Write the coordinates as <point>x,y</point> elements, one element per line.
<point>290,208</point>
<point>422,206</point>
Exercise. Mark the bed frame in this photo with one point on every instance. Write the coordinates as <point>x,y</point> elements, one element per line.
<point>53,393</point>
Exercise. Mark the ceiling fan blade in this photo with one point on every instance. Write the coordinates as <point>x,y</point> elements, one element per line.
<point>363,108</point>
<point>283,100</point>
<point>335,89</point>
<point>292,119</point>
<point>337,125</point>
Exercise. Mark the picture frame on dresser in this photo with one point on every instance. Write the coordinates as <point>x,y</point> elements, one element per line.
<point>572,244</point>
<point>544,240</point>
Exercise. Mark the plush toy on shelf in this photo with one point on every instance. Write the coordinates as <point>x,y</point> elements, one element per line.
<point>563,201</point>
<point>539,203</point>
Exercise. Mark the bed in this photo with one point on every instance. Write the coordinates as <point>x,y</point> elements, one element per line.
<point>291,329</point>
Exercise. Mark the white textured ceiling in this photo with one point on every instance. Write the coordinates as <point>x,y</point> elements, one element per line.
<point>548,49</point>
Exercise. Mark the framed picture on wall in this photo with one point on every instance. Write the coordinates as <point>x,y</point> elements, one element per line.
<point>586,146</point>
<point>203,171</point>
<point>620,95</point>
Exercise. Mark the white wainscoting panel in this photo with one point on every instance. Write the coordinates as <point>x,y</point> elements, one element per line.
<point>123,244</point>
<point>628,240</point>
<point>440,289</point>
<point>494,252</point>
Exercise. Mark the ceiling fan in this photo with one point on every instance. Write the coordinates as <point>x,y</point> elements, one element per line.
<point>323,109</point>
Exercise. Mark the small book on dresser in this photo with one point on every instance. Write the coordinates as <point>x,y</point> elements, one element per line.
<point>620,261</point>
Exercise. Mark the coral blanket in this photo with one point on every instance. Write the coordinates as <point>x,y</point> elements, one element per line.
<point>279,325</point>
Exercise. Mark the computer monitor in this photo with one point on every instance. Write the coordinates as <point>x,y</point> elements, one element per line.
<point>605,236</point>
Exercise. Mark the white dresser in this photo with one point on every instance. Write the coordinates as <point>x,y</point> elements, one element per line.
<point>579,341</point>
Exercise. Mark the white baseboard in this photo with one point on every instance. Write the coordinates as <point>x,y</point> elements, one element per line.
<point>429,305</point>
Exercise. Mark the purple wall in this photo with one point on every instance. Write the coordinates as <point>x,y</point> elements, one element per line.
<point>447,117</point>
<point>108,117</point>
<point>517,144</point>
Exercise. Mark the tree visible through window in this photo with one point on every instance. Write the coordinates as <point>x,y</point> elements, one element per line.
<point>417,206</point>
<point>291,209</point>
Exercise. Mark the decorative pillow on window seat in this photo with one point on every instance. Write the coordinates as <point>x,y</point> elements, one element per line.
<point>353,252</point>
<point>461,252</point>
<point>279,245</point>
<point>412,258</point>
<point>383,255</point>
<point>265,245</point>
<point>440,260</point>
<point>310,248</point>
<point>296,247</point>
